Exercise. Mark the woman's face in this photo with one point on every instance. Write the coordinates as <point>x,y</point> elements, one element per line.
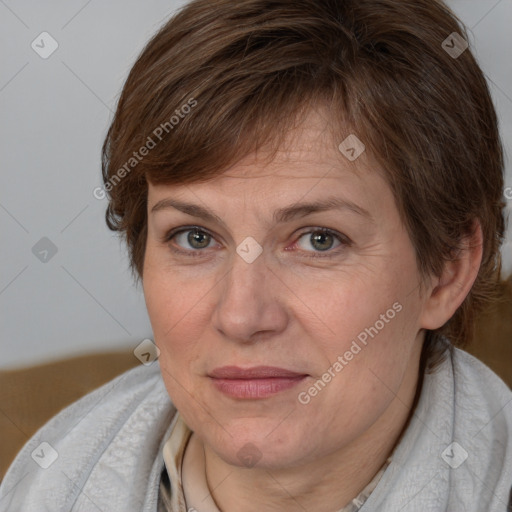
<point>269,278</point>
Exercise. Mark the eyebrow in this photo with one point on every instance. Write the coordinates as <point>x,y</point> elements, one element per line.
<point>281,215</point>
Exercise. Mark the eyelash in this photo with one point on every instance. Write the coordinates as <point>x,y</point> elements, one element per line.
<point>330,253</point>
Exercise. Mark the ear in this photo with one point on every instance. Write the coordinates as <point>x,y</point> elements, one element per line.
<point>447,292</point>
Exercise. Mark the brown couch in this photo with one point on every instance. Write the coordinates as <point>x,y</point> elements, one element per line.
<point>30,396</point>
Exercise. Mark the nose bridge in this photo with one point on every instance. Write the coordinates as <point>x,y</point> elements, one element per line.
<point>245,284</point>
<point>247,304</point>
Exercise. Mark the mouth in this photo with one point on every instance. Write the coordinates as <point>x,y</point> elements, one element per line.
<point>254,383</point>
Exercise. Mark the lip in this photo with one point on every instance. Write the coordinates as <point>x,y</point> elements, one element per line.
<point>254,383</point>
<point>256,372</point>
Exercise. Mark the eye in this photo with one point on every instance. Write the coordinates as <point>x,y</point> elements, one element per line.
<point>322,240</point>
<point>191,239</point>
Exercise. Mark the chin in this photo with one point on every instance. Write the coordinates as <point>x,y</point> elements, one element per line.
<point>252,446</point>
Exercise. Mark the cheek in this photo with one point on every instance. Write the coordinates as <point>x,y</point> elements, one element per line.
<point>367,379</point>
<point>171,304</point>
<point>176,336</point>
<point>361,310</point>
<point>371,336</point>
<point>171,297</point>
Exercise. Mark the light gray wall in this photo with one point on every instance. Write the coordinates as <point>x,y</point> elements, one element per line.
<point>54,114</point>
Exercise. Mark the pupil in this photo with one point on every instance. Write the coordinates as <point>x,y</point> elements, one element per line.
<point>321,237</point>
<point>198,238</point>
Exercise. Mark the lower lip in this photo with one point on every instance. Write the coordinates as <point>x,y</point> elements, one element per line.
<point>256,388</point>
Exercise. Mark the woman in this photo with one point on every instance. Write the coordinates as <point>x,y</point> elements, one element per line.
<point>311,193</point>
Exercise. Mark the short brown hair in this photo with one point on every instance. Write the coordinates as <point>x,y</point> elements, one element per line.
<point>249,68</point>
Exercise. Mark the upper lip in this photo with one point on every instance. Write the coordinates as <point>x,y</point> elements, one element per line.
<point>256,372</point>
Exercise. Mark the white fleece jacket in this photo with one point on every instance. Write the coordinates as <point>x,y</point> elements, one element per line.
<point>456,455</point>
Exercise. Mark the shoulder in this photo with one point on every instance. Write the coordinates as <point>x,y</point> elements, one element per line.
<point>111,435</point>
<point>476,382</point>
<point>482,426</point>
<point>456,453</point>
<point>483,398</point>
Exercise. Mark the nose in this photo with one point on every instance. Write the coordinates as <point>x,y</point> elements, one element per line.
<point>250,305</point>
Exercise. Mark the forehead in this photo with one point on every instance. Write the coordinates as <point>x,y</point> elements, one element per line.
<point>314,141</point>
<point>309,153</point>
